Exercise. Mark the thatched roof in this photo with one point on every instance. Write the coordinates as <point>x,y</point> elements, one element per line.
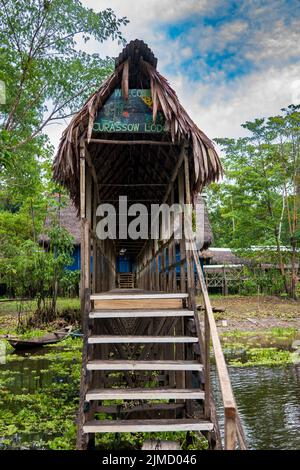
<point>67,218</point>
<point>136,68</point>
<point>225,256</point>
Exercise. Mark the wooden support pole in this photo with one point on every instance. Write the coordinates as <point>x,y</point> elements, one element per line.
<point>182,239</point>
<point>82,219</point>
<point>189,259</point>
<point>207,386</point>
<point>95,240</point>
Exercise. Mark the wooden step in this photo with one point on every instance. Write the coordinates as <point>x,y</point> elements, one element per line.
<point>137,300</point>
<point>107,339</point>
<point>120,296</point>
<point>146,313</point>
<point>151,425</point>
<point>144,394</point>
<point>143,365</point>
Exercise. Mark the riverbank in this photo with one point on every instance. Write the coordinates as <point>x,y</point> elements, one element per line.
<point>258,330</point>
<point>252,313</point>
<point>253,329</point>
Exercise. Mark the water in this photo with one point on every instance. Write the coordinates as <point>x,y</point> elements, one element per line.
<point>39,398</point>
<point>268,399</point>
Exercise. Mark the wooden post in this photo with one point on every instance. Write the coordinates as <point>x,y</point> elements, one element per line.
<point>82,219</point>
<point>189,259</point>
<point>182,239</point>
<point>83,440</point>
<point>95,240</point>
<point>87,255</point>
<point>230,432</point>
<point>207,385</point>
<point>156,265</point>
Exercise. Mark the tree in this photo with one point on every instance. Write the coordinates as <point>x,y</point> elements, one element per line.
<point>47,76</point>
<point>258,202</point>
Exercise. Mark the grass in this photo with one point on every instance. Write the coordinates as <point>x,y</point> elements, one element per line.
<point>13,306</point>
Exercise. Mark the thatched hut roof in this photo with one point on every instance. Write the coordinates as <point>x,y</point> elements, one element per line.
<point>135,68</point>
<point>225,256</point>
<point>67,218</point>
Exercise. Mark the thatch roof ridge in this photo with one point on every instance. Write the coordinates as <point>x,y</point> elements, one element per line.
<point>136,48</point>
<point>205,161</point>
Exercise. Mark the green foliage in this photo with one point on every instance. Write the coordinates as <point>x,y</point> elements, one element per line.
<point>47,77</point>
<point>38,407</point>
<point>33,270</point>
<point>257,204</point>
<point>258,280</point>
<point>264,357</point>
<point>69,283</point>
<point>259,169</point>
<point>46,74</point>
<point>39,401</point>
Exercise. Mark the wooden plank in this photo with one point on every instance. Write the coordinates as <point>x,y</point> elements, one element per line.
<point>156,444</point>
<point>137,296</point>
<point>146,313</point>
<point>207,385</point>
<point>147,426</point>
<point>182,239</point>
<point>143,365</point>
<point>230,409</point>
<point>82,180</point>
<point>86,269</point>
<point>144,394</point>
<point>138,304</point>
<point>117,409</point>
<point>82,440</point>
<point>106,339</point>
<point>132,142</point>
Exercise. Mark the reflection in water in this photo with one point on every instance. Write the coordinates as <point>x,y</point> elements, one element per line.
<point>268,399</point>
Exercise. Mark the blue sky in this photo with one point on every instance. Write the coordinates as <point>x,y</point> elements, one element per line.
<point>229,61</point>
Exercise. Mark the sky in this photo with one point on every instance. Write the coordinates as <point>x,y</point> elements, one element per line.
<point>229,61</point>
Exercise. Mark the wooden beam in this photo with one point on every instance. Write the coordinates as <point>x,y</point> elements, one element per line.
<point>93,171</point>
<point>135,185</point>
<point>82,180</point>
<point>131,142</point>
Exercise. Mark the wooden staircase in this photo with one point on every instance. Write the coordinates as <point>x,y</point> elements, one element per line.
<point>126,280</point>
<point>139,349</point>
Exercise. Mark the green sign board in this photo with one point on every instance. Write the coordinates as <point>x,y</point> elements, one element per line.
<point>132,115</point>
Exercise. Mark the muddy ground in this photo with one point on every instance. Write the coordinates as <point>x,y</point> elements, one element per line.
<point>256,313</point>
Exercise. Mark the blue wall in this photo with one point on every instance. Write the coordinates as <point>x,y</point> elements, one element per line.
<point>76,260</point>
<point>124,264</point>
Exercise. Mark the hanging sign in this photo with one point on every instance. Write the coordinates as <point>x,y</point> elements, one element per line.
<point>133,115</point>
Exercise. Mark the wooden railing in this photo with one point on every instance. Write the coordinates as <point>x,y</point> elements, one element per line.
<point>233,428</point>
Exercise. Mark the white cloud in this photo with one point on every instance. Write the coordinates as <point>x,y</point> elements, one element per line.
<point>219,105</point>
<point>277,45</point>
<point>220,110</point>
<point>231,31</point>
<point>155,10</point>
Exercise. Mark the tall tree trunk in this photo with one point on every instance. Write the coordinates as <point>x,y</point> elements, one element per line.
<point>281,263</point>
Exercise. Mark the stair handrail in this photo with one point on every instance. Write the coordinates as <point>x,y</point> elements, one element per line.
<point>233,428</point>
